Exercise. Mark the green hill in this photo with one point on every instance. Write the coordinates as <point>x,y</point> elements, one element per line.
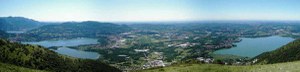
<point>12,68</point>
<point>17,23</point>
<point>287,53</point>
<point>67,30</point>
<point>37,57</point>
<point>279,67</point>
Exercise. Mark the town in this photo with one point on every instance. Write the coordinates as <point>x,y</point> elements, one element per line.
<point>150,47</point>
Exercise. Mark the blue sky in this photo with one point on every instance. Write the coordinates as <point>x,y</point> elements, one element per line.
<point>151,10</point>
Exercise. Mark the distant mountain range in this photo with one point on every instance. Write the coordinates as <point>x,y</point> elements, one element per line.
<point>68,30</point>
<point>37,31</point>
<point>18,24</point>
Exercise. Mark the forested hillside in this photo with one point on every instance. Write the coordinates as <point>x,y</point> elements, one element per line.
<point>36,57</point>
<point>17,24</point>
<point>13,68</point>
<point>287,53</point>
<point>69,30</point>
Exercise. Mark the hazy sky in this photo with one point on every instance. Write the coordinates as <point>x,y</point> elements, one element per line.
<point>151,10</point>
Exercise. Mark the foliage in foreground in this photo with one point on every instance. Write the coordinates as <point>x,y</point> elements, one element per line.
<point>37,57</point>
<point>13,68</point>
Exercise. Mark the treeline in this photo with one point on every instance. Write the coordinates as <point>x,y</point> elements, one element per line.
<point>287,53</point>
<point>70,30</point>
<point>36,57</point>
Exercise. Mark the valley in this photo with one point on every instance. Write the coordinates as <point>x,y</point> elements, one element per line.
<point>134,47</point>
<point>149,36</point>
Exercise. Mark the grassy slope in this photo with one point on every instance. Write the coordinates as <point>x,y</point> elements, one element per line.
<point>12,68</point>
<point>279,67</point>
<point>37,57</point>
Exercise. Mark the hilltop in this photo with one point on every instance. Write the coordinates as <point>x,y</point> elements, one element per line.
<point>17,24</point>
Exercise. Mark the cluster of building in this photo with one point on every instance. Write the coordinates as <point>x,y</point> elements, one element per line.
<point>154,63</point>
<point>205,60</point>
<point>141,50</point>
<point>118,43</point>
<point>183,45</point>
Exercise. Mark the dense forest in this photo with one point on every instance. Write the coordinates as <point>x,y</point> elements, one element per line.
<point>37,57</point>
<point>13,68</point>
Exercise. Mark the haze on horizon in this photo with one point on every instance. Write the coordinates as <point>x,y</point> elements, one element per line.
<point>151,10</point>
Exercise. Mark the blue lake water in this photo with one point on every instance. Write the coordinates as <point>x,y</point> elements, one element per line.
<point>77,53</point>
<point>15,32</point>
<point>70,42</point>
<point>251,47</point>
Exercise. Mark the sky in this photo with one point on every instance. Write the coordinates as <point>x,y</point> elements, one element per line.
<point>151,10</point>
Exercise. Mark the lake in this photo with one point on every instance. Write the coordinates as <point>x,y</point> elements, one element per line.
<point>15,32</point>
<point>251,47</point>
<point>68,51</point>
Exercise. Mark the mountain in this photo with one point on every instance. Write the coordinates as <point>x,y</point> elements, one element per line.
<point>17,24</point>
<point>67,30</point>
<point>286,53</point>
<point>37,57</point>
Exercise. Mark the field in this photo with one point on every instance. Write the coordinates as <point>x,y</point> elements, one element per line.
<point>279,67</point>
